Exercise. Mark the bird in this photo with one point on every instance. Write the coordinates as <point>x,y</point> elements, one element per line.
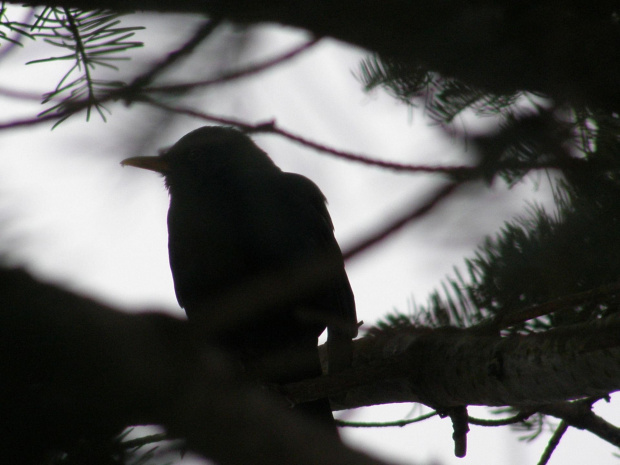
<point>254,259</point>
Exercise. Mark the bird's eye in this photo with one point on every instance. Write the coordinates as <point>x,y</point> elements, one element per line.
<point>193,155</point>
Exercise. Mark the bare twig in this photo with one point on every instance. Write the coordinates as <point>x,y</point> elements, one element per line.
<point>553,442</point>
<point>579,415</point>
<point>385,424</point>
<point>22,94</point>
<point>203,31</point>
<point>519,417</point>
<point>135,91</point>
<point>458,172</point>
<point>406,218</point>
<point>364,159</point>
<point>33,121</point>
<point>271,128</point>
<point>233,75</point>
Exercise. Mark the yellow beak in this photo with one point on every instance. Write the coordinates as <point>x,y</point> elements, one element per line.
<point>157,164</point>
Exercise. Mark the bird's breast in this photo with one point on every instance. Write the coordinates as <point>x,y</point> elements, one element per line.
<point>219,240</point>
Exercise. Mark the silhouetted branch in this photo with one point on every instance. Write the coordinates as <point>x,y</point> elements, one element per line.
<point>519,417</point>
<point>73,368</point>
<point>199,36</point>
<point>233,75</point>
<point>272,128</point>
<point>450,367</point>
<point>408,217</point>
<point>555,57</point>
<point>385,424</point>
<point>553,443</point>
<point>579,415</point>
<point>35,120</point>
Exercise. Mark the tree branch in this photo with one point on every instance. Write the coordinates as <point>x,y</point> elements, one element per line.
<point>569,53</point>
<point>450,367</point>
<point>580,415</point>
<point>233,75</point>
<point>72,368</point>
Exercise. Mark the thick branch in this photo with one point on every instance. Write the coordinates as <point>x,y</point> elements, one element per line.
<point>451,367</point>
<point>568,51</point>
<point>72,368</point>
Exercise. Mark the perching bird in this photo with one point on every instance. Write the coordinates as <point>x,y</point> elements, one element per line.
<point>254,259</point>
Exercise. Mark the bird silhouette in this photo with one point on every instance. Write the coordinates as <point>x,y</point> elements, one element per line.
<point>254,259</point>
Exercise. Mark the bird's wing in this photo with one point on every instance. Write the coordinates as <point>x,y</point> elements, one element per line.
<point>310,204</point>
<point>307,196</point>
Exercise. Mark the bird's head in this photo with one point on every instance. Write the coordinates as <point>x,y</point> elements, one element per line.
<point>206,155</point>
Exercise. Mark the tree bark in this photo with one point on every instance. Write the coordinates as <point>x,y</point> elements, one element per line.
<point>450,367</point>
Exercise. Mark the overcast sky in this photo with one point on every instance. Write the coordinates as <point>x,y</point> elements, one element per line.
<point>72,214</point>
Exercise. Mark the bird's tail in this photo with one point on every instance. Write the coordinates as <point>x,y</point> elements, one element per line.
<point>318,410</point>
<point>299,363</point>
